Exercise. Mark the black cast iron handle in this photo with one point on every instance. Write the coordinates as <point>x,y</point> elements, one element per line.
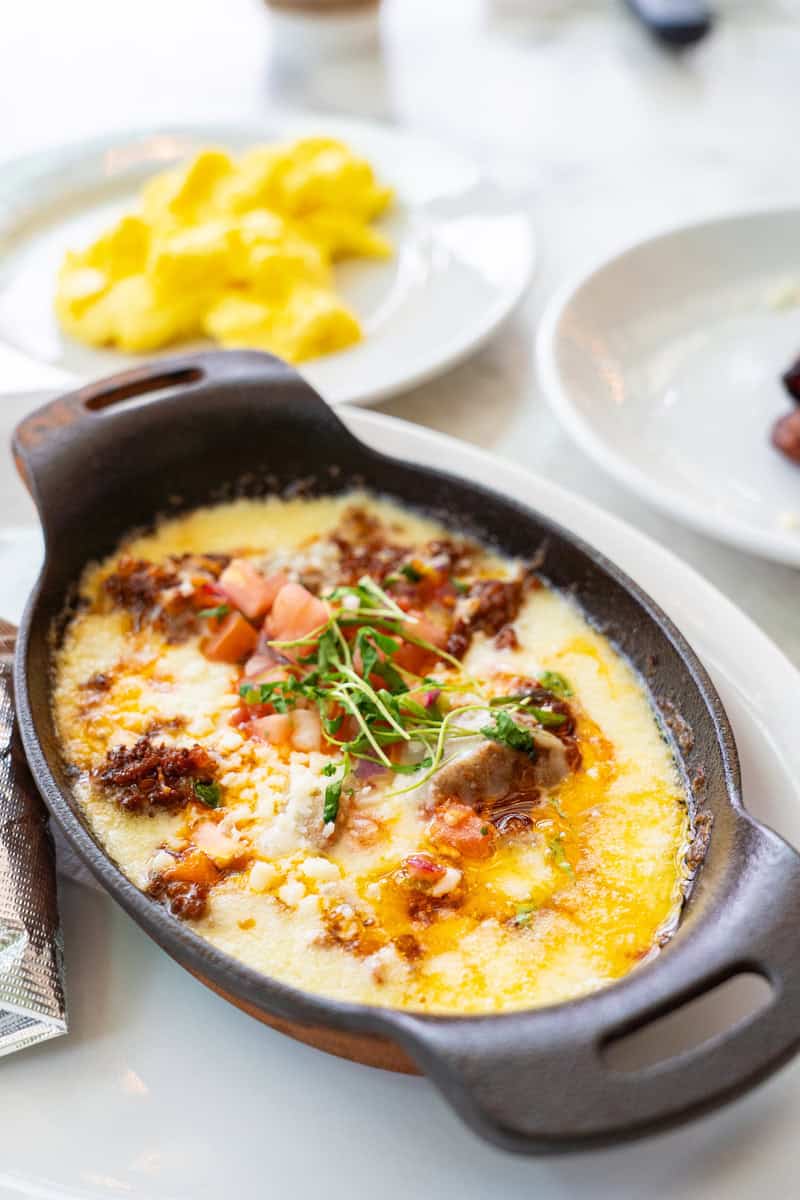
<point>93,425</point>
<point>539,1081</point>
<point>40,436</point>
<point>534,1081</point>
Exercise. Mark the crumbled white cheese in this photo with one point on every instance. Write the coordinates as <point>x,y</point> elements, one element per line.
<point>319,868</point>
<point>292,891</point>
<point>448,883</point>
<point>200,726</point>
<point>298,823</point>
<point>309,906</point>
<point>386,965</point>
<point>229,740</point>
<point>262,876</point>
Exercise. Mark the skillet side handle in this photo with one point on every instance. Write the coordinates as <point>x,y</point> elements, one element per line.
<point>50,432</point>
<point>539,1083</point>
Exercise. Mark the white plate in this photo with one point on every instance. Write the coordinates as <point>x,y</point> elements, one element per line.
<point>464,251</point>
<point>162,1091</point>
<point>664,364</point>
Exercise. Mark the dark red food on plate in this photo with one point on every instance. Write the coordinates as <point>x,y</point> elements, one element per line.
<point>791,380</point>
<point>786,435</point>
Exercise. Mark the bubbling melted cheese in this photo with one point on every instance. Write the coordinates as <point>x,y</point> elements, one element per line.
<point>571,906</point>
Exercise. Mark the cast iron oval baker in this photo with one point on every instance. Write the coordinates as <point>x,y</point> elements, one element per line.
<point>534,1081</point>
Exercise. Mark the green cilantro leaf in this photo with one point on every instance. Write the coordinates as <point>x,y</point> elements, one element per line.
<point>333,794</point>
<point>508,733</point>
<point>209,794</point>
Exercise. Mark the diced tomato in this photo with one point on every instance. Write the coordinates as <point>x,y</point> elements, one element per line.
<point>220,848</point>
<point>275,729</point>
<point>295,614</point>
<point>306,729</point>
<point>208,595</point>
<point>249,590</point>
<point>416,658</point>
<point>234,640</point>
<point>193,866</point>
<point>250,712</point>
<point>240,715</point>
<point>460,828</point>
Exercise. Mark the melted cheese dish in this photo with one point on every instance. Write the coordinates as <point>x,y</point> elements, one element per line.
<point>238,250</point>
<point>370,758</point>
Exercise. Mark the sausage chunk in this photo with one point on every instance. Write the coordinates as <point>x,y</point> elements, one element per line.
<point>491,771</point>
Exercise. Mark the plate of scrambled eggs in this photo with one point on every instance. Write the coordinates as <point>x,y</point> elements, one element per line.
<point>370,258</point>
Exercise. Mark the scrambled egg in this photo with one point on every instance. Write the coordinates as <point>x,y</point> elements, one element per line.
<point>237,250</point>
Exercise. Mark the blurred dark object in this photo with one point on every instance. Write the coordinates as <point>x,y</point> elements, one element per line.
<point>791,380</point>
<point>786,435</point>
<point>674,22</point>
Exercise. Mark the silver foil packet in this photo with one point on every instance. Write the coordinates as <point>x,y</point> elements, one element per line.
<point>32,1002</point>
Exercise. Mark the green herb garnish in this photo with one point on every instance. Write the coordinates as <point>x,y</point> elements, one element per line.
<point>348,669</point>
<point>546,717</point>
<point>411,573</point>
<point>461,587</point>
<point>556,848</point>
<point>524,913</point>
<point>210,614</point>
<point>209,794</point>
<point>555,683</point>
<point>508,733</point>
<point>333,794</point>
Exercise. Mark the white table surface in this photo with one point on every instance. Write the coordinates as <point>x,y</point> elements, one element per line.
<point>604,136</point>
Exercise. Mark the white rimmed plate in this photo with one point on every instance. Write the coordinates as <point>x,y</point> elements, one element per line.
<point>464,250</point>
<point>664,364</point>
<point>162,1091</point>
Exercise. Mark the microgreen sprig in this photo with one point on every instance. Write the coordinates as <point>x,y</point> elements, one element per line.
<point>349,667</point>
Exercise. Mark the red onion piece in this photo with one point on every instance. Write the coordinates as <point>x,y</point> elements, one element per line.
<point>258,663</point>
<point>366,769</point>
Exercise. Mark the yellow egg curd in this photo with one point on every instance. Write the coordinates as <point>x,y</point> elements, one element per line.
<point>238,250</point>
